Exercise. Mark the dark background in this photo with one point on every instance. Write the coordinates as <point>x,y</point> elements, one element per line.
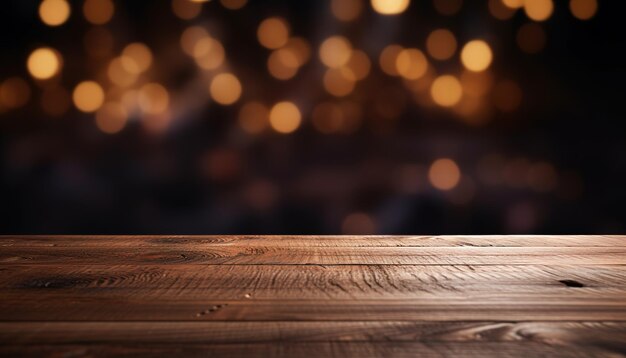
<point>204,175</point>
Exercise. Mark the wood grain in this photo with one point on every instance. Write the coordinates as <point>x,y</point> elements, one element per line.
<point>431,296</point>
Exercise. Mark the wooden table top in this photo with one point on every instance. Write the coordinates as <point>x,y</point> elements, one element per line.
<point>248,296</point>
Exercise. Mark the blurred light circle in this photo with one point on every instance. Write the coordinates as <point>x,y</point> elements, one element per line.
<point>273,32</point>
<point>538,10</point>
<point>583,9</point>
<point>225,88</point>
<point>346,10</point>
<point>335,51</point>
<point>411,64</point>
<point>285,117</point>
<point>444,174</point>
<point>153,98</point>
<point>446,91</point>
<point>390,7</point>
<point>111,118</point>
<point>98,12</point>
<point>441,44</point>
<point>44,63</point>
<point>253,117</point>
<point>476,55</point>
<point>54,12</point>
<point>88,96</point>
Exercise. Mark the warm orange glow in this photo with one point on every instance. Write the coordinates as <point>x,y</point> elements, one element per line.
<point>273,33</point>
<point>359,64</point>
<point>390,7</point>
<point>446,91</point>
<point>583,9</point>
<point>209,53</point>
<point>98,12</point>
<point>444,174</point>
<point>234,4</point>
<point>119,75</point>
<point>285,117</point>
<point>283,63</point>
<point>339,81</point>
<point>335,51</point>
<point>513,4</point>
<point>225,89</point>
<point>54,12</point>
<point>531,38</point>
<point>14,93</point>
<point>111,118</point>
<point>88,96</point>
<point>190,37</point>
<point>346,10</point>
<point>153,99</point>
<point>499,10</point>
<point>388,58</point>
<point>411,64</point>
<point>476,55</point>
<point>538,10</point>
<point>441,44</point>
<point>300,48</point>
<point>186,9</point>
<point>254,117</point>
<point>44,63</point>
<point>136,58</point>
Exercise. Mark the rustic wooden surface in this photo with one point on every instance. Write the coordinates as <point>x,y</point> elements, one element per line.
<point>289,296</point>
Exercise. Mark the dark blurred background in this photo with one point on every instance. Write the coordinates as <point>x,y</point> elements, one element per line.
<point>312,117</point>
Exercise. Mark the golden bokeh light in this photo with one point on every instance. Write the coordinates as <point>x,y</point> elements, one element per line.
<point>346,10</point>
<point>441,44</point>
<point>185,9</point>
<point>88,96</point>
<point>444,174</point>
<point>359,64</point>
<point>233,4</point>
<point>583,9</point>
<point>283,63</point>
<point>273,32</point>
<point>448,7</point>
<point>55,101</point>
<point>531,38</point>
<point>411,64</point>
<point>54,12</point>
<point>538,10</point>
<point>98,12</point>
<point>446,91</point>
<point>190,37</point>
<point>119,75</point>
<point>225,89</point>
<point>507,96</point>
<point>388,58</point>
<point>136,58</point>
<point>476,55</point>
<point>476,84</point>
<point>254,117</point>
<point>390,7</point>
<point>153,99</point>
<point>339,81</point>
<point>14,93</point>
<point>335,51</point>
<point>111,118</point>
<point>285,117</point>
<point>44,63</point>
<point>209,53</point>
<point>500,11</point>
<point>513,4</point>
<point>301,48</point>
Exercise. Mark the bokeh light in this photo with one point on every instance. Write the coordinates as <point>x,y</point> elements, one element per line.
<point>54,12</point>
<point>583,9</point>
<point>335,51</point>
<point>285,117</point>
<point>88,96</point>
<point>44,63</point>
<point>346,10</point>
<point>411,64</point>
<point>273,32</point>
<point>390,7</point>
<point>444,174</point>
<point>98,12</point>
<point>446,91</point>
<point>111,118</point>
<point>476,55</point>
<point>254,117</point>
<point>441,44</point>
<point>225,88</point>
<point>153,99</point>
<point>538,10</point>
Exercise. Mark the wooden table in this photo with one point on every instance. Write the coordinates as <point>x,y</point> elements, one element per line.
<point>300,296</point>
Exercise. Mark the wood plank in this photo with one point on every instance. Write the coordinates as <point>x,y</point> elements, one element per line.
<point>562,333</point>
<point>243,255</point>
<point>311,281</point>
<point>124,307</point>
<point>203,241</point>
<point>317,349</point>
